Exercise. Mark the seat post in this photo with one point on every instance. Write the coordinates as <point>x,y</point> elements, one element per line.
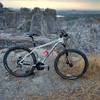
<point>34,44</point>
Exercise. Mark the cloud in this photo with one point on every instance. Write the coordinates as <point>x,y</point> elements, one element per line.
<point>56,4</point>
<point>59,0</point>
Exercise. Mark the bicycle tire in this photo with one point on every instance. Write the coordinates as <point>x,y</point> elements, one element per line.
<point>66,52</point>
<point>6,63</point>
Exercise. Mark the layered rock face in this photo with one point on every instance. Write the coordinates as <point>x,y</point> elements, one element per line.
<point>14,20</point>
<point>37,21</point>
<point>43,22</point>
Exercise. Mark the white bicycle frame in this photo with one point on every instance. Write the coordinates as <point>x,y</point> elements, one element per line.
<point>55,42</point>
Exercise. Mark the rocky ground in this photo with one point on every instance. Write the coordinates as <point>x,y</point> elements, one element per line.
<point>47,85</point>
<point>8,40</point>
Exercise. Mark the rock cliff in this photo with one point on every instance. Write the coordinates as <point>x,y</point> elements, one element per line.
<point>85,30</point>
<point>43,22</point>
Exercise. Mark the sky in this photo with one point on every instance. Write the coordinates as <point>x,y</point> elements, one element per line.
<point>54,4</point>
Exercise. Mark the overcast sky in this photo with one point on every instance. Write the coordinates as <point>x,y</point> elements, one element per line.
<point>56,4</point>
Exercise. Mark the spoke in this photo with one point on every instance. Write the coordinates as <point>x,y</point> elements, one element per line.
<point>15,57</point>
<point>16,69</point>
<point>65,63</point>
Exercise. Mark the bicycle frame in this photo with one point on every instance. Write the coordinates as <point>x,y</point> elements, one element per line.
<point>55,42</point>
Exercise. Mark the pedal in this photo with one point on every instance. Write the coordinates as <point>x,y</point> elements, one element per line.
<point>47,67</point>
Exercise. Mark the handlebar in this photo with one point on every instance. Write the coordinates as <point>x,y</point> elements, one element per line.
<point>63,34</point>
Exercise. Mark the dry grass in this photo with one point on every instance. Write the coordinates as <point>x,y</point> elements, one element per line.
<point>85,92</point>
<point>91,93</point>
<point>93,69</point>
<point>94,66</point>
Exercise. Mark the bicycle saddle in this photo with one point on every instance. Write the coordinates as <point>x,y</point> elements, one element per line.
<point>33,34</point>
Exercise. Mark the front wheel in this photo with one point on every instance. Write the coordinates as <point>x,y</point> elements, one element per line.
<point>71,64</point>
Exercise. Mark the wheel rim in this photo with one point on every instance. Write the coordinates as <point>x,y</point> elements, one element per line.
<point>71,65</point>
<point>14,67</point>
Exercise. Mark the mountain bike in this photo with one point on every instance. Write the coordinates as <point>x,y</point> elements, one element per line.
<point>70,64</point>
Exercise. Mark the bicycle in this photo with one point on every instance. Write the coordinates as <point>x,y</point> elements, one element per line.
<point>69,64</point>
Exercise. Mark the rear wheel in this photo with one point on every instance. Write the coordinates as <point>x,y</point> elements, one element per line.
<point>71,64</point>
<point>12,58</point>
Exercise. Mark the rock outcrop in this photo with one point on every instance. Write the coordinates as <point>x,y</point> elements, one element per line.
<point>37,21</point>
<point>84,30</point>
<point>43,22</point>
